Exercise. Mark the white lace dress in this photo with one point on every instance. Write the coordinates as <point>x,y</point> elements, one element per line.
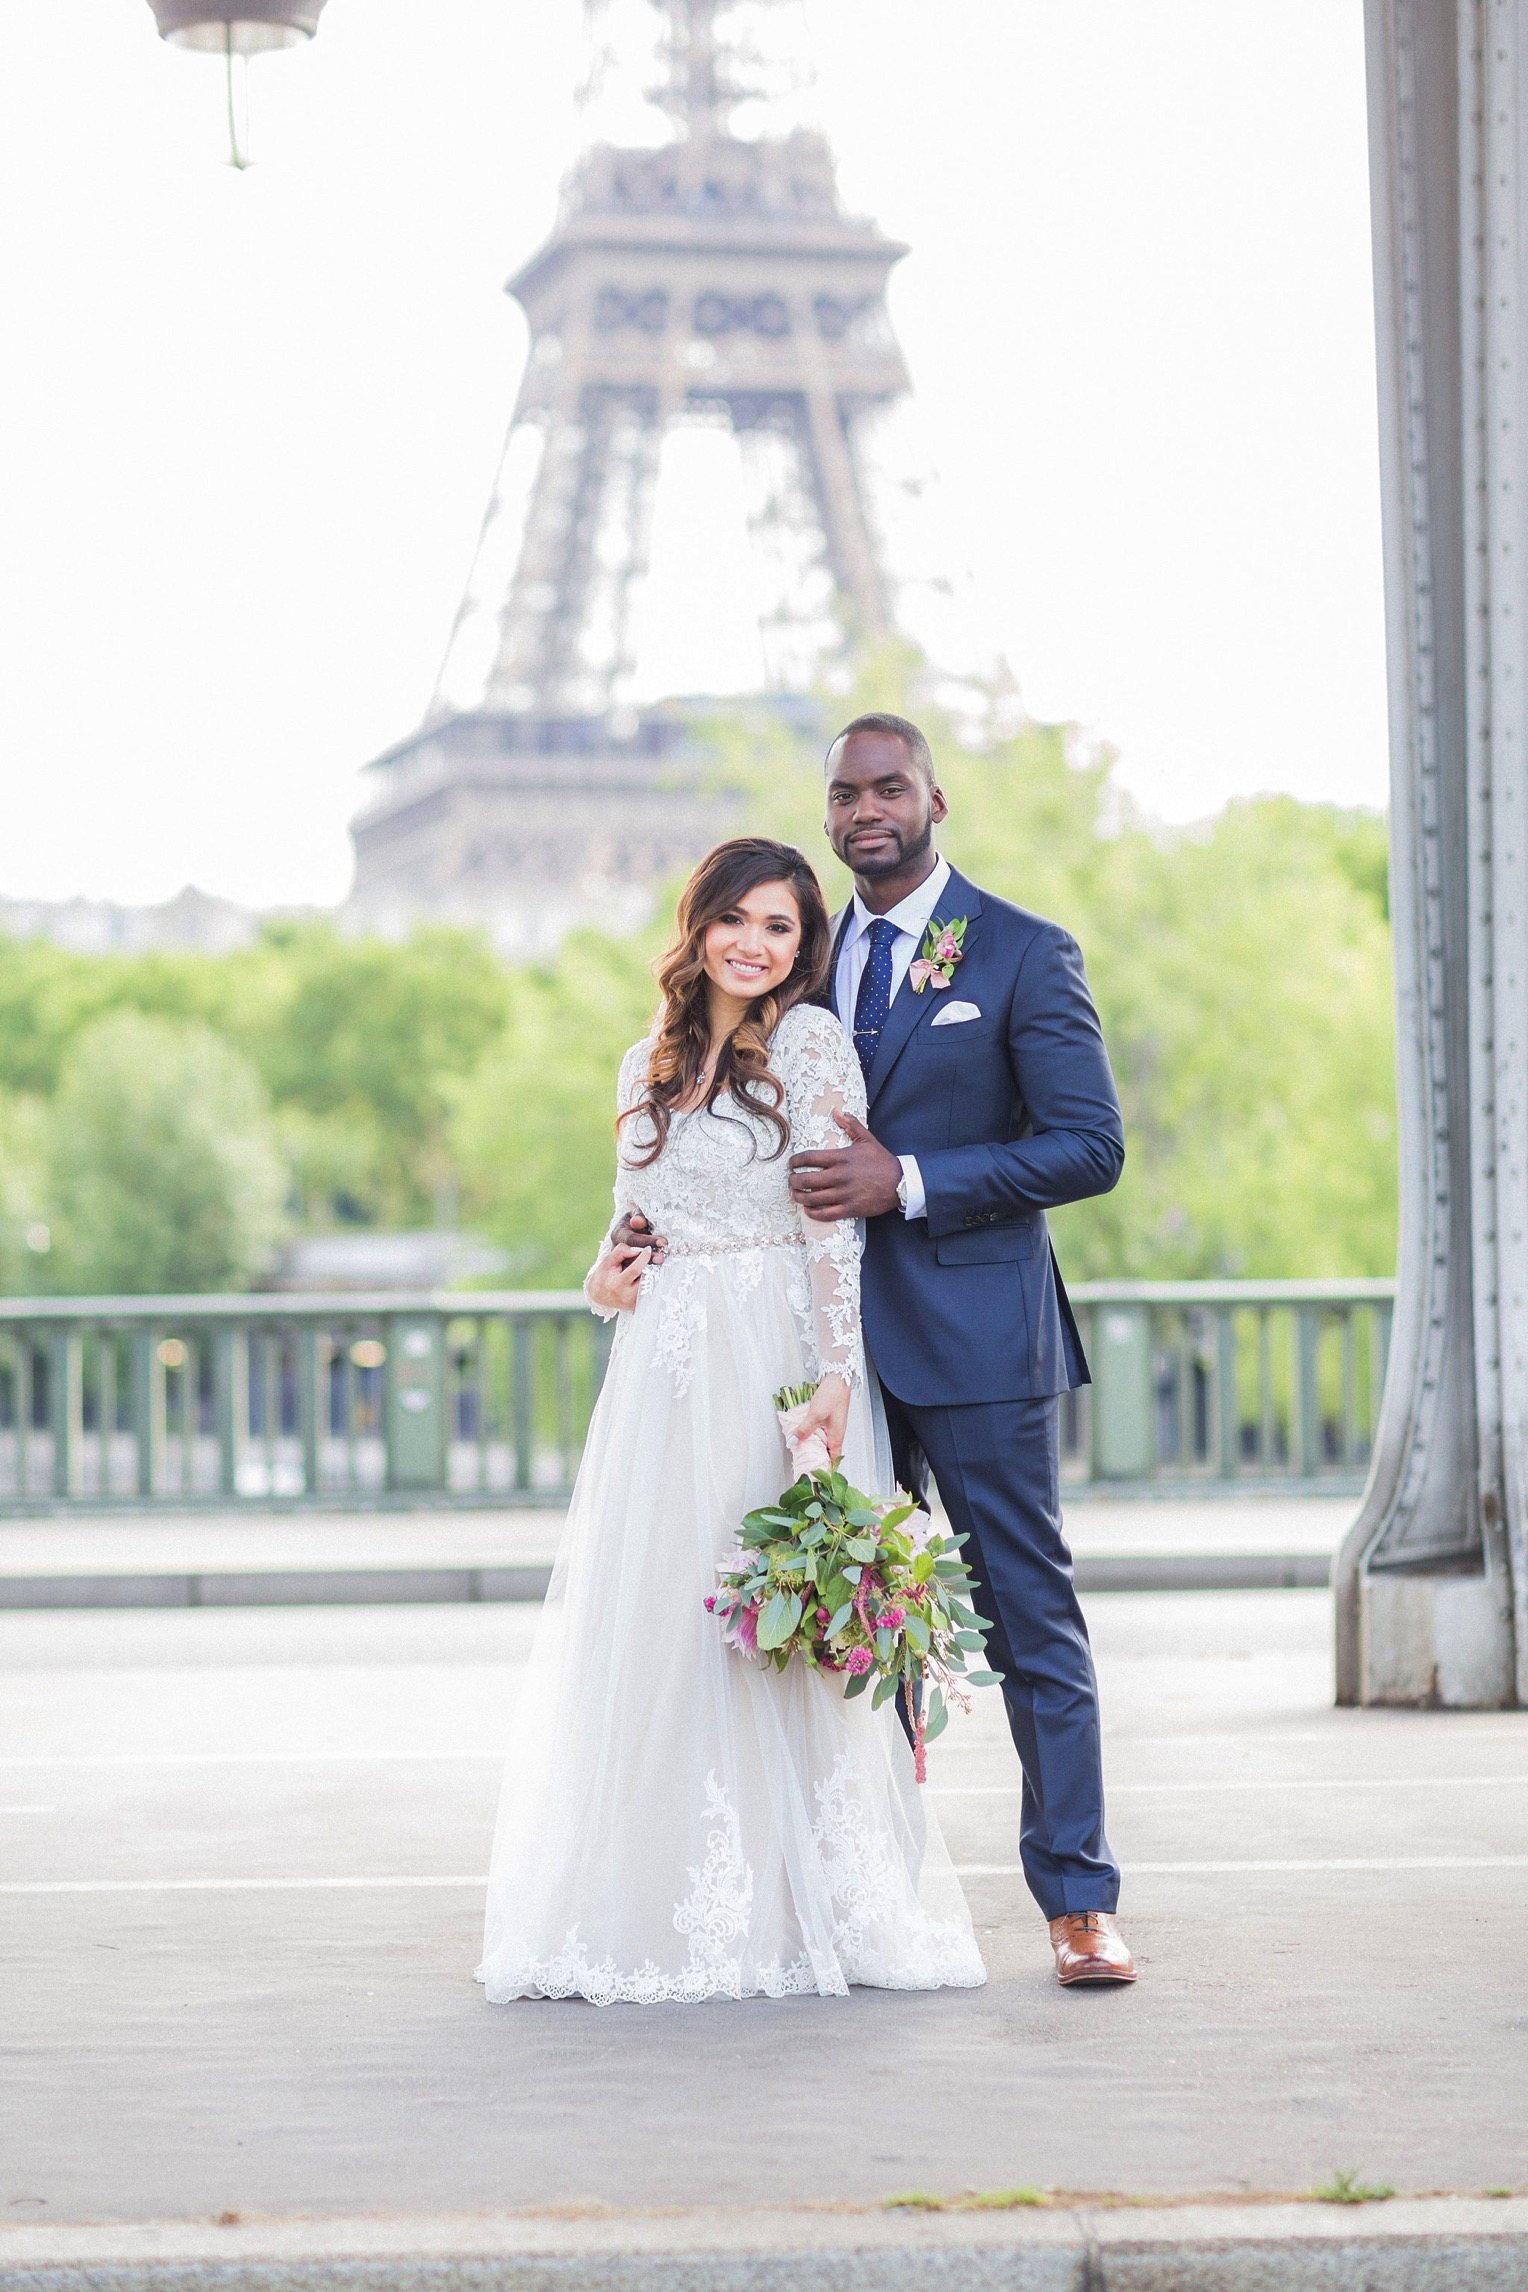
<point>676,1822</point>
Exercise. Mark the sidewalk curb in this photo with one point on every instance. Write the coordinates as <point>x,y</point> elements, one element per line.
<point>279,1588</point>
<point>421,1587</point>
<point>1418,2245</point>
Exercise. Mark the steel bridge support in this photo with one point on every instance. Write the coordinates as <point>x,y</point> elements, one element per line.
<point>1432,1588</point>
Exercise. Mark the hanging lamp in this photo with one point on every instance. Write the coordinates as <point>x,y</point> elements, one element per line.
<point>237,28</point>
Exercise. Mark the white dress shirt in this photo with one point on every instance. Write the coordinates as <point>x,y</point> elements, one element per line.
<point>912,917</point>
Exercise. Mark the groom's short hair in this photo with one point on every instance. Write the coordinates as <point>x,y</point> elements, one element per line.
<point>901,728</point>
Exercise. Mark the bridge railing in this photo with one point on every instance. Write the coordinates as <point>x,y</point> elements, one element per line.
<point>1228,1384</point>
<point>484,1398</point>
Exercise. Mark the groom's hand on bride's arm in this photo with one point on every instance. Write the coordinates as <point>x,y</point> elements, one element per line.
<point>858,1180</point>
<point>634,1232</point>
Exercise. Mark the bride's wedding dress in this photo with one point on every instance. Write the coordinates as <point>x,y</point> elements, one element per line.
<point>678,1823</point>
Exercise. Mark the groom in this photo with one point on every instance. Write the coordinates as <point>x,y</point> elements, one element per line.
<point>991,1100</point>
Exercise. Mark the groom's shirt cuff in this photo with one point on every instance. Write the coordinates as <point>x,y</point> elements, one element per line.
<point>912,1178</point>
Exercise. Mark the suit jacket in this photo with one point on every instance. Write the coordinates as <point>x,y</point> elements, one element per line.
<point>1008,1114</point>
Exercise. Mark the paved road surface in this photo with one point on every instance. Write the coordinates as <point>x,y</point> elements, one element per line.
<point>240,1907</point>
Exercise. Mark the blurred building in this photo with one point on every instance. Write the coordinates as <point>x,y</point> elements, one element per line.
<point>193,922</point>
<point>366,1260</point>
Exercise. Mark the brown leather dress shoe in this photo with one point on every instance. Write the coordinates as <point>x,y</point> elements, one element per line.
<point>1090,1948</point>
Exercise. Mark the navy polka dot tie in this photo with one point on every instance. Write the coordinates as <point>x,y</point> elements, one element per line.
<point>873,1001</point>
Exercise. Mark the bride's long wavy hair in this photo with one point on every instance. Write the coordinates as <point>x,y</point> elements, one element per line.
<point>682,1037</point>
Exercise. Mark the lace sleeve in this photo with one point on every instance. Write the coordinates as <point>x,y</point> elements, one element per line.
<point>816,1063</point>
<point>628,1090</point>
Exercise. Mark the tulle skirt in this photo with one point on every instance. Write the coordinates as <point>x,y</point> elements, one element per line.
<point>677,1822</point>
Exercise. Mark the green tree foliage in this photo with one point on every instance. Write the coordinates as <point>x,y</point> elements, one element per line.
<point>164,1170</point>
<point>1244,983</point>
<point>534,1129</point>
<point>1242,971</point>
<point>359,1046</point>
<point>24,1234</point>
<point>364,1044</point>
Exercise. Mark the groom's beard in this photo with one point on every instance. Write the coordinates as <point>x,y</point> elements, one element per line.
<point>893,857</point>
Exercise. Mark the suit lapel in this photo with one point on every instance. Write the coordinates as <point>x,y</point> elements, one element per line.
<point>909,1009</point>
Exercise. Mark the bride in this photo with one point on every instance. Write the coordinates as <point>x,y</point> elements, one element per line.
<point>676,1822</point>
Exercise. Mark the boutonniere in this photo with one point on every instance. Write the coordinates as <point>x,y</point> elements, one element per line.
<point>938,956</point>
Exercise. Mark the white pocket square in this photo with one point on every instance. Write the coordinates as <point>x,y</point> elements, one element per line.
<point>955,1015</point>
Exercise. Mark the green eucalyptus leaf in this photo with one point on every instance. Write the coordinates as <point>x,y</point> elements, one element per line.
<point>858,1685</point>
<point>884,1690</point>
<point>776,1623</point>
<point>983,1678</point>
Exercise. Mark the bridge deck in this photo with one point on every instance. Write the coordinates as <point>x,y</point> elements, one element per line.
<point>199,2019</point>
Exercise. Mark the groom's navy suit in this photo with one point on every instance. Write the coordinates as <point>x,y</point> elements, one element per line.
<point>968,1325</point>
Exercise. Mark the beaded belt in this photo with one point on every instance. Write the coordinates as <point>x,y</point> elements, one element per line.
<point>730,1246</point>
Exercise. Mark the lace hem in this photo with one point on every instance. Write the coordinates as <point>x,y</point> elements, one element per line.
<point>868,1887</point>
<point>571,1974</point>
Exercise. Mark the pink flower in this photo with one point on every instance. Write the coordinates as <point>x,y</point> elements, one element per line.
<point>710,1603</point>
<point>892,1619</point>
<point>744,1629</point>
<point>823,1616</point>
<point>946,951</point>
<point>858,1660</point>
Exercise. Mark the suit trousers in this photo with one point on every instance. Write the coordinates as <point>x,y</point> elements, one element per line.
<point>998,1469</point>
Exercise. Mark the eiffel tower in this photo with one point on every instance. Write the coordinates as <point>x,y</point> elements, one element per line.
<point>708,278</point>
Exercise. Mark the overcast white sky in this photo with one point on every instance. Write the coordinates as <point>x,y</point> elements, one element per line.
<point>250,421</point>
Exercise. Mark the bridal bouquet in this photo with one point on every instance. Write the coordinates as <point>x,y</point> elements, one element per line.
<point>853,1584</point>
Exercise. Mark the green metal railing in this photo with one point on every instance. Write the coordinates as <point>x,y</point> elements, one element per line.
<point>484,1398</point>
<point>269,1401</point>
<point>1228,1384</point>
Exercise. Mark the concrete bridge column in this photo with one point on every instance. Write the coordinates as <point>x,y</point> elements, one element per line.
<point>1432,1580</point>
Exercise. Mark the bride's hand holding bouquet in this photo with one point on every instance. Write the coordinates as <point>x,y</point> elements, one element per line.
<point>814,1420</point>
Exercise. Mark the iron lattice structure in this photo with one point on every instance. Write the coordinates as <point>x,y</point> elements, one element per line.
<point>711,278</point>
